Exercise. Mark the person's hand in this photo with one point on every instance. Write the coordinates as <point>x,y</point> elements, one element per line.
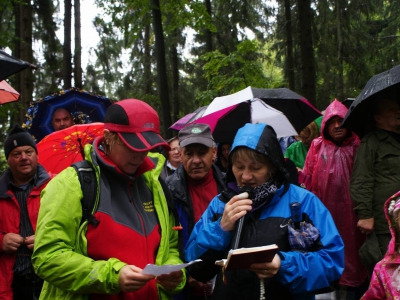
<point>194,283</point>
<point>199,288</point>
<point>170,281</point>
<point>236,208</point>
<point>29,240</point>
<point>131,280</point>
<point>366,225</point>
<point>11,242</point>
<point>267,270</point>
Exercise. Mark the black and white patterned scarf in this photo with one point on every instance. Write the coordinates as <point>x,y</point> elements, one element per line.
<point>262,194</point>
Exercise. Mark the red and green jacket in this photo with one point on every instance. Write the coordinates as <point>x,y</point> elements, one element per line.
<point>77,260</point>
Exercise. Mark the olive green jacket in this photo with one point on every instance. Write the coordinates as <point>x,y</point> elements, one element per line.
<point>375,177</point>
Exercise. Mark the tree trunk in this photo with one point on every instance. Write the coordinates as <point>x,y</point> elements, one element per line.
<point>67,67</point>
<point>78,46</point>
<point>340,86</point>
<point>26,54</point>
<point>308,84</point>
<point>16,80</point>
<point>147,61</point>
<point>289,46</point>
<point>207,32</point>
<point>175,74</point>
<point>161,67</point>
<point>17,42</point>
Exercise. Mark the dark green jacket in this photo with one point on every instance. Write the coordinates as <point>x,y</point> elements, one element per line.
<point>375,177</point>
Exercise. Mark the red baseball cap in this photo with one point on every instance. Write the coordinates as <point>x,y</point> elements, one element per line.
<point>136,123</point>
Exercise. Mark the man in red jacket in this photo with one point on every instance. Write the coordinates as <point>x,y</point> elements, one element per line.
<point>20,187</point>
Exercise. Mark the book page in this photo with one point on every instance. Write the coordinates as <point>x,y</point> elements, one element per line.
<point>155,270</point>
<point>252,249</point>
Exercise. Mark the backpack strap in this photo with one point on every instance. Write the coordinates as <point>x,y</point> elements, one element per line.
<point>172,209</point>
<point>87,179</point>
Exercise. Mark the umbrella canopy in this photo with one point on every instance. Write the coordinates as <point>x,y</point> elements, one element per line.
<point>10,65</point>
<point>360,116</point>
<point>178,125</point>
<point>295,107</point>
<point>60,149</point>
<point>348,102</point>
<point>182,122</point>
<point>84,107</point>
<point>7,93</point>
<point>226,122</point>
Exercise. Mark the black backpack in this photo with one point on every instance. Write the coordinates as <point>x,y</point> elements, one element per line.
<point>87,178</point>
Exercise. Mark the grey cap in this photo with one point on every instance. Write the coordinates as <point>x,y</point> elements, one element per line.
<point>196,134</point>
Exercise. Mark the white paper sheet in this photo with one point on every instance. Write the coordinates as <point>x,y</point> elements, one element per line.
<point>155,270</point>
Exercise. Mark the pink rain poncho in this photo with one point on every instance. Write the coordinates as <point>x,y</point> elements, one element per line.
<point>385,282</point>
<point>330,167</point>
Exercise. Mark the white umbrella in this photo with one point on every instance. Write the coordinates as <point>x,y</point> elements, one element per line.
<point>294,106</point>
<point>225,121</point>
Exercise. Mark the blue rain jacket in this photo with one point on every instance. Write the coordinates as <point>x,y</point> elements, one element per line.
<point>301,274</point>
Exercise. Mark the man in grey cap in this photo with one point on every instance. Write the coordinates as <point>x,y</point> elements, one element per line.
<point>194,184</point>
<point>20,187</point>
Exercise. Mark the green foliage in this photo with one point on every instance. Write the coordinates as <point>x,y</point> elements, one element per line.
<point>230,73</point>
<point>7,24</point>
<point>247,38</point>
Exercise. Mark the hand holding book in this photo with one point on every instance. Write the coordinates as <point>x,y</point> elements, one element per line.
<point>243,258</point>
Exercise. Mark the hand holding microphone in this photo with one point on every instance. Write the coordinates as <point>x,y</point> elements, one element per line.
<point>236,208</point>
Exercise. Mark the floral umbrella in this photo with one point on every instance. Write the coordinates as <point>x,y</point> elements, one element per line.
<point>84,107</point>
<point>60,149</point>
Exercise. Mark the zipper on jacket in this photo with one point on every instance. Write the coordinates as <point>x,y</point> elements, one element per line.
<point>130,184</point>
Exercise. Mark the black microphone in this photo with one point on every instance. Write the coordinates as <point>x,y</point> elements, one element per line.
<point>239,226</point>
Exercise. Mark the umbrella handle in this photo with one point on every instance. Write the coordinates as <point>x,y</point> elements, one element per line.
<point>81,148</point>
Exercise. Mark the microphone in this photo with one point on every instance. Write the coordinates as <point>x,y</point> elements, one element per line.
<point>248,192</point>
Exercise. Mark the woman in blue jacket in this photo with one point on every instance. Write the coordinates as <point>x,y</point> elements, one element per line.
<point>257,163</point>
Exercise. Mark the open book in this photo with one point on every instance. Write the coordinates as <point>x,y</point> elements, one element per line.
<point>242,258</point>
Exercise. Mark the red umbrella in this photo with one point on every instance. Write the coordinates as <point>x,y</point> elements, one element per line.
<point>60,149</point>
<point>7,93</point>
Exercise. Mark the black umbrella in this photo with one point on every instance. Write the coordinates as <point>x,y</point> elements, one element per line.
<point>295,107</point>
<point>348,102</point>
<point>360,116</point>
<point>10,65</point>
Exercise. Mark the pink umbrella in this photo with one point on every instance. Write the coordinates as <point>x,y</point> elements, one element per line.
<point>7,93</point>
<point>182,122</point>
<point>178,125</point>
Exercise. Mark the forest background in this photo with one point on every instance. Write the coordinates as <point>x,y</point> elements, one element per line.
<point>320,49</point>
